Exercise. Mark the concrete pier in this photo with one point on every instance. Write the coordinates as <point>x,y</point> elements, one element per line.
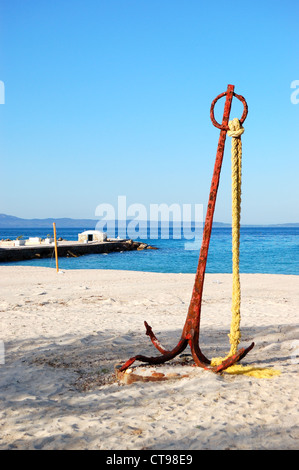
<point>67,249</point>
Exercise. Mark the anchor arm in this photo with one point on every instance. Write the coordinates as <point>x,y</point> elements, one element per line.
<point>182,344</point>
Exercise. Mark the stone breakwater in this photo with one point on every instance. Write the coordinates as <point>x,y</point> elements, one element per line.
<point>68,249</point>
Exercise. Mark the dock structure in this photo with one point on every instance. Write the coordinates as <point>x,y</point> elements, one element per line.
<point>67,249</point>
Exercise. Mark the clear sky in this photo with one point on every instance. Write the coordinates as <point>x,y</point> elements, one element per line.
<point>105,98</point>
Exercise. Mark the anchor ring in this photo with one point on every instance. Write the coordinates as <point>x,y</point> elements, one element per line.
<point>223,126</point>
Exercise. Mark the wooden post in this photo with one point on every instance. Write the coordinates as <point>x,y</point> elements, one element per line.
<point>56,251</point>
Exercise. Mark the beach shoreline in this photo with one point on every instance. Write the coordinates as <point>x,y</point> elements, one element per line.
<point>64,332</point>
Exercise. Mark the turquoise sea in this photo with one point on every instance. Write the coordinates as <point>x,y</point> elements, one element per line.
<point>272,250</point>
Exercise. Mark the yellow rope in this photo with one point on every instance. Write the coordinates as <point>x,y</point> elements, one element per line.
<point>235,131</point>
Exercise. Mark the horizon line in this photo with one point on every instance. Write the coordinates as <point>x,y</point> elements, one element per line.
<point>140,221</point>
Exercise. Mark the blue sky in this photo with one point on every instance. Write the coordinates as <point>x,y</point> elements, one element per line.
<point>112,97</point>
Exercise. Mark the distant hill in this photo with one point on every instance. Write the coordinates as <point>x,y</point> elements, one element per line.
<point>10,221</point>
<point>285,225</point>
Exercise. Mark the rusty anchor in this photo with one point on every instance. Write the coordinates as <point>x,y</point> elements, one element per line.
<point>190,334</point>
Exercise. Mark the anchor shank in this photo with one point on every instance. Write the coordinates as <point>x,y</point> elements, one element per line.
<point>193,317</point>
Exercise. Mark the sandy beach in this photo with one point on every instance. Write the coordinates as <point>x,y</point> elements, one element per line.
<point>63,333</point>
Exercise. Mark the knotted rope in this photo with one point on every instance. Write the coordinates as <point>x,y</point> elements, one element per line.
<point>235,131</point>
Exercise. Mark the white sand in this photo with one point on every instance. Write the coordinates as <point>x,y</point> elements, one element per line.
<point>63,334</point>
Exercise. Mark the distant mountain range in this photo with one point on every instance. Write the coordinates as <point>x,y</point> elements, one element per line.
<point>10,221</point>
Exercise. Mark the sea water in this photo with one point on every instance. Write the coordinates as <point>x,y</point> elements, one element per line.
<point>271,250</point>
